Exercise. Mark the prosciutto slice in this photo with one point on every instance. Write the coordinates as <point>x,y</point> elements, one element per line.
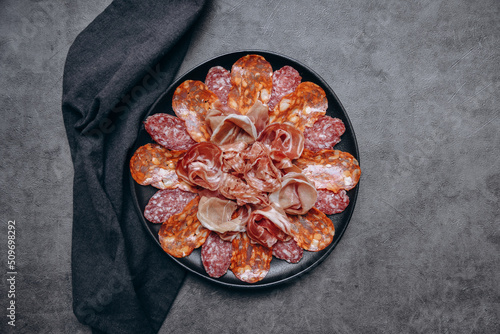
<point>268,225</point>
<point>233,187</point>
<point>284,141</point>
<point>215,214</point>
<point>297,194</point>
<point>234,128</point>
<point>261,173</point>
<point>259,114</point>
<point>201,166</point>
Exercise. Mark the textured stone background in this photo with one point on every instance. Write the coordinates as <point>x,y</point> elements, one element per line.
<point>420,81</point>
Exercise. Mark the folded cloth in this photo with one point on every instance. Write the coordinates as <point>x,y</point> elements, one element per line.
<point>115,70</point>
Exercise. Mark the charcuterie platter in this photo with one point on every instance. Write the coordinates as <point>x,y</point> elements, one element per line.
<point>245,171</point>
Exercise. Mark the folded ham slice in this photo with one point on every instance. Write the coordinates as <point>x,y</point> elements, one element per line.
<point>201,166</point>
<point>233,187</point>
<point>284,141</point>
<point>267,226</point>
<point>234,128</point>
<point>215,214</point>
<point>297,194</point>
<point>261,172</point>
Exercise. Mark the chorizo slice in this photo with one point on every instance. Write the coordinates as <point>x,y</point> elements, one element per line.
<point>155,165</point>
<point>313,231</point>
<point>251,80</point>
<point>191,102</point>
<point>183,232</point>
<point>250,262</point>
<point>302,108</point>
<point>330,169</point>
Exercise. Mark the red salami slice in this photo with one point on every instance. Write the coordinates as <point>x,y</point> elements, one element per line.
<point>288,251</point>
<point>169,131</point>
<point>218,80</point>
<point>324,134</point>
<point>285,81</point>
<point>330,202</point>
<point>166,203</point>
<point>216,255</point>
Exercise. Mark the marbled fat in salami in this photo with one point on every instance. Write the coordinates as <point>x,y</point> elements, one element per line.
<point>330,202</point>
<point>169,131</point>
<point>285,81</point>
<point>218,80</point>
<point>216,255</point>
<point>166,203</point>
<point>324,134</point>
<point>288,251</point>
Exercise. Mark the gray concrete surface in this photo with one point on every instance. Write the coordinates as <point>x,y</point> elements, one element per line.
<point>420,81</point>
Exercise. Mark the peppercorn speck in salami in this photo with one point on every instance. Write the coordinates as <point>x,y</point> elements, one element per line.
<point>250,262</point>
<point>216,255</point>
<point>165,203</point>
<point>183,232</point>
<point>218,80</point>
<point>313,231</point>
<point>288,251</point>
<point>330,202</point>
<point>285,81</point>
<point>324,134</point>
<point>168,131</point>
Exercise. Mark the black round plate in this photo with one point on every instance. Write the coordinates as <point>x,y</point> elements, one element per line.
<point>281,271</point>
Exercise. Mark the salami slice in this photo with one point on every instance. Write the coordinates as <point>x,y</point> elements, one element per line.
<point>313,231</point>
<point>285,81</point>
<point>330,202</point>
<point>288,251</point>
<point>191,102</point>
<point>218,80</point>
<point>251,80</point>
<point>324,134</point>
<point>169,131</point>
<point>330,169</point>
<point>183,232</point>
<point>216,255</point>
<point>165,203</point>
<point>155,165</point>
<point>250,262</point>
<point>302,108</point>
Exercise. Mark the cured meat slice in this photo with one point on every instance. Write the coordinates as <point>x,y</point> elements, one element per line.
<point>261,173</point>
<point>215,214</point>
<point>297,194</point>
<point>288,251</point>
<point>218,80</point>
<point>302,108</point>
<point>201,165</point>
<point>216,255</point>
<point>285,81</point>
<point>250,262</point>
<point>324,134</point>
<point>251,80</point>
<point>232,159</point>
<point>267,226</point>
<point>191,102</point>
<point>218,113</point>
<point>165,203</point>
<point>183,232</point>
<point>168,131</point>
<point>259,115</point>
<point>331,203</point>
<point>234,128</point>
<point>330,169</point>
<point>313,231</point>
<point>233,187</point>
<point>284,141</point>
<point>155,165</point>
